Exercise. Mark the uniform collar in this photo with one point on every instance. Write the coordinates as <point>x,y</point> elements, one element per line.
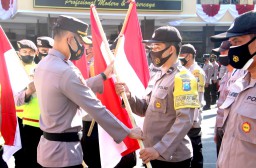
<point>174,67</point>
<point>57,54</point>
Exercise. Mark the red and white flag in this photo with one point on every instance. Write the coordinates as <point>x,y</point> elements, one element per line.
<point>13,79</point>
<point>132,67</point>
<point>81,64</point>
<point>8,8</point>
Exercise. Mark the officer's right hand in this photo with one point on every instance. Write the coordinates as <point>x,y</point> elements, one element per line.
<point>30,89</point>
<point>136,133</point>
<point>122,87</point>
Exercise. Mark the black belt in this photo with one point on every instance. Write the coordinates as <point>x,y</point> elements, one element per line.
<point>62,137</point>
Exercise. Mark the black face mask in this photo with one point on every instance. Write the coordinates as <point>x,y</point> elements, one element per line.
<point>224,60</point>
<point>39,57</point>
<point>157,59</point>
<point>76,55</point>
<point>27,59</point>
<point>240,57</point>
<point>183,60</point>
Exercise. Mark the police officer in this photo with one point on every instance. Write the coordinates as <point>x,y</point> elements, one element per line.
<point>238,144</point>
<point>208,69</point>
<point>61,91</point>
<point>26,52</point>
<point>169,104</point>
<point>43,43</point>
<point>214,78</point>
<point>30,122</point>
<point>187,58</point>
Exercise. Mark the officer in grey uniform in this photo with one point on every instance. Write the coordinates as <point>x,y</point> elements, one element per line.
<point>61,91</point>
<point>187,58</point>
<point>169,104</point>
<point>239,141</point>
<point>208,69</point>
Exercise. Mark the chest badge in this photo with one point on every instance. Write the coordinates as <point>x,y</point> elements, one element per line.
<point>246,127</point>
<point>186,85</point>
<point>158,105</point>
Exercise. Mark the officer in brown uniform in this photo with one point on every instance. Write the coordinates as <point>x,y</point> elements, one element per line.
<point>61,91</point>
<point>214,88</point>
<point>44,44</point>
<point>239,141</point>
<point>208,69</point>
<point>187,58</point>
<point>169,104</point>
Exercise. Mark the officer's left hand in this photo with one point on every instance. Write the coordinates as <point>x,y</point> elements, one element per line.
<point>30,89</point>
<point>148,154</point>
<point>109,70</point>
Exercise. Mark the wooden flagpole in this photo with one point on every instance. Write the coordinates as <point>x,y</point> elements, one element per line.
<point>111,57</point>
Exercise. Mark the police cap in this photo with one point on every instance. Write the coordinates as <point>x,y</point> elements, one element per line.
<point>74,25</point>
<point>165,34</point>
<point>26,44</point>
<point>188,49</point>
<point>44,41</point>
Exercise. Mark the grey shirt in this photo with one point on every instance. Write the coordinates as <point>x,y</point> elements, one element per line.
<point>61,91</point>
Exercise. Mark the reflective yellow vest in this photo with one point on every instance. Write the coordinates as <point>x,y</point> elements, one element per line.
<point>31,113</point>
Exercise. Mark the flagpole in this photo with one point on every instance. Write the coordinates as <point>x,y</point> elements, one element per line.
<point>111,57</point>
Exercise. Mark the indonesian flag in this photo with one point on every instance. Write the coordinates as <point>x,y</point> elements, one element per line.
<point>13,79</point>
<point>132,67</point>
<point>81,64</point>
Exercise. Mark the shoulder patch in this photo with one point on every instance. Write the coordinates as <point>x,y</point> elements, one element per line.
<point>185,90</point>
<point>200,79</point>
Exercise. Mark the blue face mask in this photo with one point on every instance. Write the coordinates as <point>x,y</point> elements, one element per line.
<point>240,56</point>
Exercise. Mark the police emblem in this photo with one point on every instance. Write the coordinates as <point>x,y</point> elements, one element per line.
<point>246,127</point>
<point>158,105</point>
<point>235,58</point>
<point>186,85</point>
<point>157,61</point>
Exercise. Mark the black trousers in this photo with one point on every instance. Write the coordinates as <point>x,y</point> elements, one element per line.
<point>19,155</point>
<point>163,164</point>
<point>195,136</point>
<point>214,93</point>
<point>219,134</point>
<point>31,138</point>
<point>207,96</point>
<point>90,146</point>
<point>127,161</point>
<point>2,162</point>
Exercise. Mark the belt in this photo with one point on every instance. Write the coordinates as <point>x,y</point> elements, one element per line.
<point>62,137</point>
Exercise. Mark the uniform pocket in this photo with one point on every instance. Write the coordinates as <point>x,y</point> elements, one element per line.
<point>246,123</point>
<point>159,101</point>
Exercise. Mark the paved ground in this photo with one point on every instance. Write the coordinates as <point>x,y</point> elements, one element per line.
<point>209,148</point>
